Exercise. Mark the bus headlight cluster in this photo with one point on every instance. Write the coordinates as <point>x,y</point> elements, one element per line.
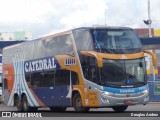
<point>145,91</point>
<point>105,93</point>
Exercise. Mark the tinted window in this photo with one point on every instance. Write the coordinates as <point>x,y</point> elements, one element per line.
<point>90,68</point>
<point>39,51</point>
<point>48,79</point>
<point>40,79</point>
<point>28,77</point>
<point>52,46</point>
<point>28,50</point>
<point>36,79</point>
<point>8,55</point>
<point>52,78</point>
<point>123,72</point>
<point>65,45</point>
<point>116,41</point>
<point>83,40</point>
<point>62,77</point>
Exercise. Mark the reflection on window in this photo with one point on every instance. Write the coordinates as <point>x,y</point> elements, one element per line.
<point>39,49</point>
<point>90,68</point>
<point>123,72</point>
<point>116,40</point>
<point>83,40</point>
<point>52,46</point>
<point>65,45</point>
<point>53,78</point>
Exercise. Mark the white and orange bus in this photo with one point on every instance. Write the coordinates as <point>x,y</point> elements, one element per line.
<point>90,67</point>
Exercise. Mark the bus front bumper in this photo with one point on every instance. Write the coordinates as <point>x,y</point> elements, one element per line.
<point>124,99</point>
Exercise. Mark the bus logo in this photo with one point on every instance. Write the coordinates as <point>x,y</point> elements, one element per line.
<point>124,57</point>
<point>41,64</point>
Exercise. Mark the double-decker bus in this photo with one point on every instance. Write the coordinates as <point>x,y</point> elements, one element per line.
<point>90,67</point>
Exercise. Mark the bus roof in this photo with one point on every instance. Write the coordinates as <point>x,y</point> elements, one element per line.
<point>68,31</point>
<point>102,27</point>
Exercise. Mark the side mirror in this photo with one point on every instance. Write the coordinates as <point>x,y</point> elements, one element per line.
<point>154,58</point>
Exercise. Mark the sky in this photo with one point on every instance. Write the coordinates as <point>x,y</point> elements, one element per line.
<point>44,17</point>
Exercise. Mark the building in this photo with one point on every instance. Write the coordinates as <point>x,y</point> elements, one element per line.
<point>153,74</point>
<point>15,36</point>
<point>8,43</point>
<point>144,32</point>
<point>157,33</point>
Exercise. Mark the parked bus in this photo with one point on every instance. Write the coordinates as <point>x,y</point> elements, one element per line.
<point>90,67</point>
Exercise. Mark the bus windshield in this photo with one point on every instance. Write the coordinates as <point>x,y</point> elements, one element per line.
<point>119,73</point>
<point>115,41</point>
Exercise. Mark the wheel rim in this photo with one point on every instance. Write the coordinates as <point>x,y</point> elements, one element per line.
<point>18,103</point>
<point>25,104</point>
<point>79,103</point>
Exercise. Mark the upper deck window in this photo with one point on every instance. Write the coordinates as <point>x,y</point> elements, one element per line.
<point>114,41</point>
<point>83,40</point>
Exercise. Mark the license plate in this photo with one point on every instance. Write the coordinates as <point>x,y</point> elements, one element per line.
<point>128,102</point>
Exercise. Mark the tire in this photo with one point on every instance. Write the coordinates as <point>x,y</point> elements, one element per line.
<point>120,108</point>
<point>77,104</point>
<point>33,109</point>
<point>26,106</point>
<point>58,109</point>
<point>18,104</point>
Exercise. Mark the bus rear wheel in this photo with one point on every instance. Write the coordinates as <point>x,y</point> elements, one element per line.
<point>58,109</point>
<point>18,104</point>
<point>120,108</point>
<point>26,106</point>
<point>77,104</point>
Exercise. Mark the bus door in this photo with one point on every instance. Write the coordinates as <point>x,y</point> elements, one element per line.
<point>64,81</point>
<point>63,87</point>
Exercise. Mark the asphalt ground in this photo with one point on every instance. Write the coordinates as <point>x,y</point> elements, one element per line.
<point>151,111</point>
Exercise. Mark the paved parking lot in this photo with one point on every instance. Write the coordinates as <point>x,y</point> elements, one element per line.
<point>133,112</point>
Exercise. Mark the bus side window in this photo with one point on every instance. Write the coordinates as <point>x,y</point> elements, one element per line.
<point>48,79</point>
<point>65,45</point>
<point>28,77</point>
<point>36,79</point>
<point>83,40</point>
<point>39,49</point>
<point>62,77</point>
<point>51,47</point>
<point>75,80</point>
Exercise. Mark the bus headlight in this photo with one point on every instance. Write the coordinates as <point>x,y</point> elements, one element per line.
<point>105,93</point>
<point>145,91</point>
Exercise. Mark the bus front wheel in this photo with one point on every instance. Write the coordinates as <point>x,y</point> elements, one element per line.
<point>77,104</point>
<point>120,108</point>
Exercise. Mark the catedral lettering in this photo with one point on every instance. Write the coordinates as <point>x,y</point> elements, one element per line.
<point>83,68</point>
<point>38,65</point>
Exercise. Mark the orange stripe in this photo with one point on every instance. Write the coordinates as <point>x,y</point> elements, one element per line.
<point>40,102</point>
